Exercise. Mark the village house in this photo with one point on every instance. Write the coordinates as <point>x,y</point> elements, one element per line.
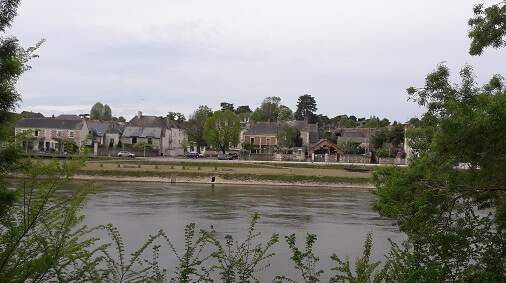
<point>49,132</point>
<point>162,133</point>
<point>265,134</point>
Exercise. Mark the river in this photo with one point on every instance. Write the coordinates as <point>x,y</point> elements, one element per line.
<point>340,217</point>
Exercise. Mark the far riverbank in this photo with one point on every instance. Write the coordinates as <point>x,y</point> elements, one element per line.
<point>239,173</point>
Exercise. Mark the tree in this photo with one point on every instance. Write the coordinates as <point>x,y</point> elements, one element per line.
<point>176,116</point>
<point>306,107</point>
<point>227,106</point>
<point>438,204</point>
<point>194,128</point>
<point>222,130</point>
<point>100,111</point>
<point>488,27</point>
<point>268,110</point>
<point>13,63</point>
<point>243,109</point>
<point>286,135</point>
<point>285,113</point>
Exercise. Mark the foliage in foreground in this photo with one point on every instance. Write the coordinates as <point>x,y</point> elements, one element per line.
<point>451,200</point>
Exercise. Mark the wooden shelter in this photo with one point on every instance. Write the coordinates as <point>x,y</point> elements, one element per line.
<point>325,150</point>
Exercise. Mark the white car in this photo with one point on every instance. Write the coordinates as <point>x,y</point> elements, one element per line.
<point>126,154</point>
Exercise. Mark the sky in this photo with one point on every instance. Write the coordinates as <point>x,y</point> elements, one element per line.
<point>354,57</point>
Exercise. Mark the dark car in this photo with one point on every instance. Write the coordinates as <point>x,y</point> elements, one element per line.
<point>225,156</point>
<point>228,156</point>
<point>192,154</point>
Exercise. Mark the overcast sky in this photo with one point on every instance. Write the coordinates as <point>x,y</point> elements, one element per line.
<point>354,57</point>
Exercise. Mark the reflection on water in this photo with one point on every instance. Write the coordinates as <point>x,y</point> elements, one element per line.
<point>340,218</point>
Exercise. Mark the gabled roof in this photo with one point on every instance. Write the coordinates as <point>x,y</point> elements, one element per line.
<point>325,143</point>
<point>142,132</point>
<point>50,123</point>
<point>173,124</point>
<point>148,121</point>
<point>97,128</point>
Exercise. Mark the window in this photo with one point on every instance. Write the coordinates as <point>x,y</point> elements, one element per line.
<point>150,140</point>
<point>71,134</point>
<point>36,133</point>
<point>134,140</point>
<point>59,134</point>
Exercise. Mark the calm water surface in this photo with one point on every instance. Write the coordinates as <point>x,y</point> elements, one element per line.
<point>340,218</point>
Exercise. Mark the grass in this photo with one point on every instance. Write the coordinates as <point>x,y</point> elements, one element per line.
<point>240,171</point>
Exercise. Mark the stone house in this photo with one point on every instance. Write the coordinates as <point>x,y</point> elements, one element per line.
<point>264,134</point>
<point>165,135</point>
<point>49,132</point>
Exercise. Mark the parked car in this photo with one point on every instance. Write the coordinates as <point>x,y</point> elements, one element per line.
<point>192,154</point>
<point>227,156</point>
<point>125,154</point>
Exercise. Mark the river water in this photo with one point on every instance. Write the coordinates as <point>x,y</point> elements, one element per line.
<point>340,217</point>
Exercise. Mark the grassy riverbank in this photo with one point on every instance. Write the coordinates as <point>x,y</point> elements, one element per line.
<point>225,172</point>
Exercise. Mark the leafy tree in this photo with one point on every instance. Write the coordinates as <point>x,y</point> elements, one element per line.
<point>488,27</point>
<point>243,109</point>
<point>285,113</point>
<point>13,63</point>
<point>222,130</point>
<point>176,116</point>
<point>415,122</point>
<point>306,107</point>
<point>268,110</point>
<point>437,204</point>
<point>350,124</point>
<point>194,128</point>
<point>121,119</point>
<point>100,111</point>
<point>286,136</point>
<point>227,106</point>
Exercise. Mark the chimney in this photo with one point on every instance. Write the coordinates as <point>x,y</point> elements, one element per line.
<point>306,120</point>
<point>139,115</point>
<point>251,123</point>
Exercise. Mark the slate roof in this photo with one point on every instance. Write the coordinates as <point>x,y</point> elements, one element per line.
<point>271,128</point>
<point>50,123</point>
<point>68,117</point>
<point>173,124</point>
<point>154,132</point>
<point>98,128</point>
<point>148,121</point>
<point>115,130</point>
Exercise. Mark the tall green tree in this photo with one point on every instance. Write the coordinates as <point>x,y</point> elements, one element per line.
<point>488,27</point>
<point>194,127</point>
<point>176,116</point>
<point>227,106</point>
<point>243,109</point>
<point>100,111</point>
<point>13,63</point>
<point>286,135</point>
<point>268,109</point>
<point>222,130</point>
<point>457,171</point>
<point>306,108</point>
<point>285,113</point>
